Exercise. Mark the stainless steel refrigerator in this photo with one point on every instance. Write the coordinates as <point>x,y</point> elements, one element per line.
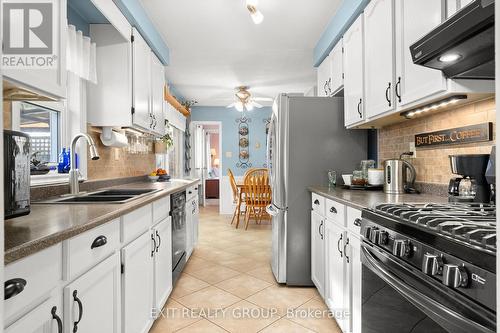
<point>306,138</point>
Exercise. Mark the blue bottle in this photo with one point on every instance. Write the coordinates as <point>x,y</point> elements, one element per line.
<point>61,164</point>
<point>66,161</point>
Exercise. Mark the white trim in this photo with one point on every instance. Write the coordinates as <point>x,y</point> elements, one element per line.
<point>219,124</point>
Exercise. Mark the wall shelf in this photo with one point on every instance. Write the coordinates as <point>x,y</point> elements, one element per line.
<point>174,102</point>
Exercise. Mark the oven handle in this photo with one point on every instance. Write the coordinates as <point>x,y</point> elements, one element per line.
<point>452,319</point>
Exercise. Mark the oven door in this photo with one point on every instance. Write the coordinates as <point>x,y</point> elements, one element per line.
<point>398,298</point>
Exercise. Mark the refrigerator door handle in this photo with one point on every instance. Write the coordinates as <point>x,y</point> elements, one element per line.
<point>272,210</point>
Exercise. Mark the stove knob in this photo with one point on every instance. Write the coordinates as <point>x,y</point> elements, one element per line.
<point>374,236</point>
<point>455,276</point>
<point>383,238</point>
<point>432,264</point>
<point>401,248</point>
<point>367,232</point>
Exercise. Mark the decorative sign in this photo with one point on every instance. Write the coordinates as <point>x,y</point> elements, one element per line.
<point>460,135</point>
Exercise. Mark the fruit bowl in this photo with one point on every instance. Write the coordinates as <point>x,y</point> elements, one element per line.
<point>153,178</point>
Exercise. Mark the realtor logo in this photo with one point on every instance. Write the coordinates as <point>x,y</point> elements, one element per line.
<point>28,30</point>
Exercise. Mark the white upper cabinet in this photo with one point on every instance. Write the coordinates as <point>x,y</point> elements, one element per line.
<point>336,81</point>
<point>414,19</point>
<point>353,73</point>
<point>157,85</point>
<point>141,78</point>
<point>323,73</point>
<point>130,81</point>
<point>379,57</point>
<point>49,82</point>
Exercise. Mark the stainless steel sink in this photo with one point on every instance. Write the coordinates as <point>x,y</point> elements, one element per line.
<point>109,196</point>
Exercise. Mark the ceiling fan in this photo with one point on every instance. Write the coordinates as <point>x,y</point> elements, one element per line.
<point>244,100</point>
<point>255,14</point>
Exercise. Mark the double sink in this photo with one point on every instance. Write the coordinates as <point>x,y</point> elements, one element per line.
<point>109,196</point>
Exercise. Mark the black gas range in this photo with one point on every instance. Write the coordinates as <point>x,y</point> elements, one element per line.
<point>429,268</point>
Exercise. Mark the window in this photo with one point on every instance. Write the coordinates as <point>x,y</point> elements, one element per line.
<point>43,126</point>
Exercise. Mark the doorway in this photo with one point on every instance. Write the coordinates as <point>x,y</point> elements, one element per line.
<point>207,160</point>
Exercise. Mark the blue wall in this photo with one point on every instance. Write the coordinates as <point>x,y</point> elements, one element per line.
<point>347,13</point>
<point>230,136</point>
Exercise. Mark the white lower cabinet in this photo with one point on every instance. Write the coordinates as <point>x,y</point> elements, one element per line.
<point>353,278</point>
<point>92,302</point>
<point>335,269</point>
<point>336,263</point>
<point>137,283</point>
<point>318,252</point>
<point>162,264</point>
<point>45,318</point>
<point>192,222</point>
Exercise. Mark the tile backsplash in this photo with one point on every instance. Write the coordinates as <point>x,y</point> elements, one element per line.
<point>118,162</point>
<point>432,164</point>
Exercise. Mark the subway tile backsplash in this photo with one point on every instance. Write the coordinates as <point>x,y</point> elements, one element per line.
<point>432,164</point>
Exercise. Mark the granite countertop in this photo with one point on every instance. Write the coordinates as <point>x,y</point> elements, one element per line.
<point>365,199</point>
<point>49,224</point>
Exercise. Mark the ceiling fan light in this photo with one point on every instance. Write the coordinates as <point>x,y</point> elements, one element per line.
<point>257,17</point>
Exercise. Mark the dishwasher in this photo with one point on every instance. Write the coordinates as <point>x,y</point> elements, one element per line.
<point>179,237</point>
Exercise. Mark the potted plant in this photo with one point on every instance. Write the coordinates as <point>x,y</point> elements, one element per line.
<point>188,104</point>
<point>166,142</point>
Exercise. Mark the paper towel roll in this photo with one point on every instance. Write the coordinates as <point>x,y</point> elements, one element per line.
<point>111,138</point>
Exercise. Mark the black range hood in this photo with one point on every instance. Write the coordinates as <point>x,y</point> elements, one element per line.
<point>463,46</point>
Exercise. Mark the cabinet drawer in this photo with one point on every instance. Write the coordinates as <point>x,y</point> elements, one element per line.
<point>136,223</point>
<point>354,220</point>
<point>161,209</point>
<point>88,249</point>
<point>40,273</point>
<point>192,191</point>
<point>335,212</point>
<point>318,204</point>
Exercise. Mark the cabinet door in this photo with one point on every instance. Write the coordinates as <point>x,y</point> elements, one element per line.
<point>189,229</point>
<point>354,73</point>
<point>92,302</point>
<point>414,19</point>
<point>335,270</point>
<point>318,252</point>
<point>336,68</point>
<point>141,78</point>
<point>354,279</point>
<point>379,57</point>
<point>137,279</point>
<point>157,85</point>
<point>163,264</point>
<point>46,81</point>
<point>45,318</point>
<point>196,220</point>
<point>323,73</point>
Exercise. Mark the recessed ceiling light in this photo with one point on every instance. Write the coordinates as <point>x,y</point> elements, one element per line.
<point>450,57</point>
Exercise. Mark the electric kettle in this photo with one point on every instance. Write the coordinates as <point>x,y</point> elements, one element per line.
<point>396,178</point>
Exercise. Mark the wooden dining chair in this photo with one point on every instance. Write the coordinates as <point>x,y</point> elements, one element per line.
<point>237,199</point>
<point>257,194</point>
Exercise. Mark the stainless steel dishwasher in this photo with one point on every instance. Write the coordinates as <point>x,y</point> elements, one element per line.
<point>178,204</point>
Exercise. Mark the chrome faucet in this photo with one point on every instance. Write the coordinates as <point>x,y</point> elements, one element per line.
<point>74,186</point>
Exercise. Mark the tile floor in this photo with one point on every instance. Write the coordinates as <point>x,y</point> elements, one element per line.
<point>228,286</point>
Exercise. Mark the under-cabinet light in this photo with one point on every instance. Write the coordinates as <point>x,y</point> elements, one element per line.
<point>433,106</point>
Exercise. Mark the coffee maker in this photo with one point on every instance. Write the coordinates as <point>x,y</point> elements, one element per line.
<point>472,185</point>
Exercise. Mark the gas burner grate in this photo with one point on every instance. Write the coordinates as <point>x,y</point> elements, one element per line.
<point>473,223</point>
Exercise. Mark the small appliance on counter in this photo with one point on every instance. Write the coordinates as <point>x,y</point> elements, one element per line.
<point>396,177</point>
<point>472,185</point>
<point>16,166</point>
